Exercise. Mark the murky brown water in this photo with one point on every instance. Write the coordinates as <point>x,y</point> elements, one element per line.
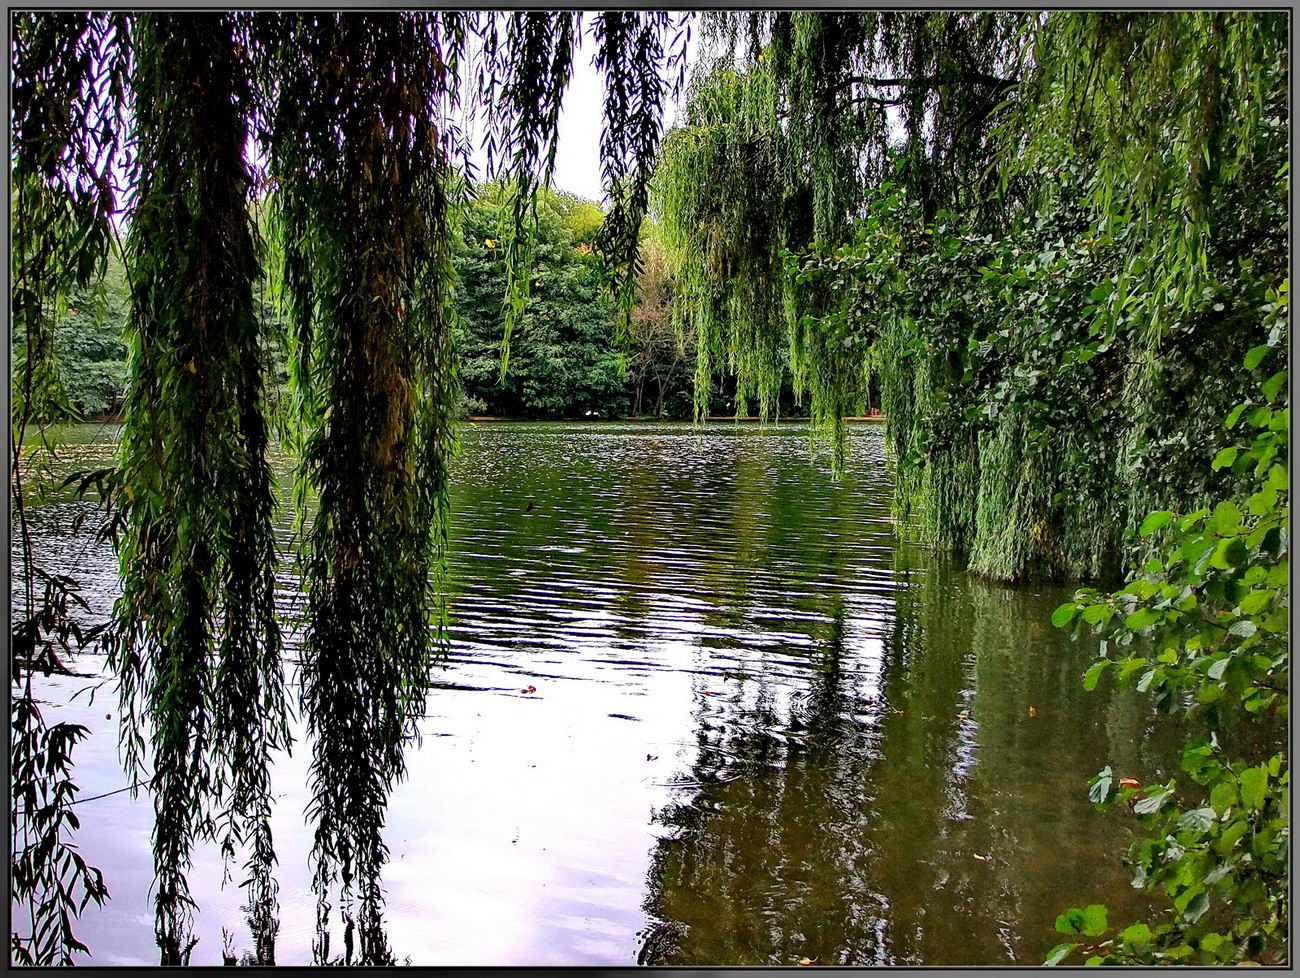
<point>763,728</point>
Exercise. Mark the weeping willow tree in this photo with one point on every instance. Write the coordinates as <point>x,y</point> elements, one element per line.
<point>1047,237</point>
<point>344,129</point>
<point>788,124</point>
<point>59,240</point>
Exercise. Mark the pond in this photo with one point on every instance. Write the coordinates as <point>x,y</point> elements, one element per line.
<point>703,705</point>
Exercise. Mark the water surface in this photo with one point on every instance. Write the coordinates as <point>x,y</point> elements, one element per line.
<point>762,727</point>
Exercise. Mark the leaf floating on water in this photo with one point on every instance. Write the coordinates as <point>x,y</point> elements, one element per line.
<point>1033,711</point>
<point>982,859</point>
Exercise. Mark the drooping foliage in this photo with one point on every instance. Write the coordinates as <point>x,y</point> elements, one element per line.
<point>197,640</point>
<point>1204,630</point>
<point>360,164</point>
<point>343,129</point>
<point>59,240</point>
<point>1033,322</point>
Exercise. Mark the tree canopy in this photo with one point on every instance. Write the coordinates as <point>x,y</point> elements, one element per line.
<point>1046,239</point>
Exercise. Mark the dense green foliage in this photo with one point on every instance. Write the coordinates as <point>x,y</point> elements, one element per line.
<point>358,171</point>
<point>197,638</point>
<point>1044,240</point>
<point>1049,338</point>
<point>59,240</point>
<point>563,361</point>
<point>1205,632</point>
<point>1053,275</point>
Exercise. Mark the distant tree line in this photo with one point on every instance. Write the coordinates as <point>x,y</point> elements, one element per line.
<point>564,358</point>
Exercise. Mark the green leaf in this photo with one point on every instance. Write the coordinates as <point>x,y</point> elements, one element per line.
<point>1274,385</point>
<point>1141,619</point>
<point>1093,675</point>
<point>1098,614</point>
<point>1196,820</point>
<point>1225,458</point>
<point>1255,602</point>
<point>1137,936</point>
<point>1255,357</point>
<point>1244,628</point>
<point>1063,615</point>
<point>1152,803</point>
<point>1223,796</point>
<point>1058,954</point>
<point>1234,415</point>
<point>1254,785</point>
<point>1156,521</point>
<point>1196,907</point>
<point>1094,920</point>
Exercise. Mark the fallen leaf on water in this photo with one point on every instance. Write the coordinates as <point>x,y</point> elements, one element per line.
<point>1033,711</point>
<point>982,859</point>
<point>1130,783</point>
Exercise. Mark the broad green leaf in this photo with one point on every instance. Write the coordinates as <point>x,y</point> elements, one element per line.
<point>1225,458</point>
<point>1254,785</point>
<point>1093,675</point>
<point>1255,357</point>
<point>1196,820</point>
<point>1094,920</point>
<point>1243,628</point>
<point>1137,936</point>
<point>1058,954</point>
<point>1255,602</point>
<point>1063,615</point>
<point>1100,786</point>
<point>1273,386</point>
<point>1223,796</point>
<point>1156,521</point>
<point>1196,907</point>
<point>1141,619</point>
<point>1152,803</point>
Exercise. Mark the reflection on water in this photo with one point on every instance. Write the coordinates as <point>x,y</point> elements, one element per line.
<point>701,707</point>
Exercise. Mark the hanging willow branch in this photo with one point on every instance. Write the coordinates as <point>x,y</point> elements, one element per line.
<point>352,116</point>
<point>61,199</point>
<point>197,647</point>
<point>360,163</point>
<point>632,58</point>
<point>522,85</point>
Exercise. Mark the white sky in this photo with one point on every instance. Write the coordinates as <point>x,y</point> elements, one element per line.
<point>577,154</point>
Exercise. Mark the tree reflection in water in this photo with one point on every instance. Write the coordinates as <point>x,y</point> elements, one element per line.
<point>900,806</point>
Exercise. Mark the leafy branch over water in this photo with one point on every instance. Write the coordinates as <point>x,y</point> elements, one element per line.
<point>1204,631</point>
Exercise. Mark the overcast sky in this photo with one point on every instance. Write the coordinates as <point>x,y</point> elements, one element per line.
<point>577,154</point>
